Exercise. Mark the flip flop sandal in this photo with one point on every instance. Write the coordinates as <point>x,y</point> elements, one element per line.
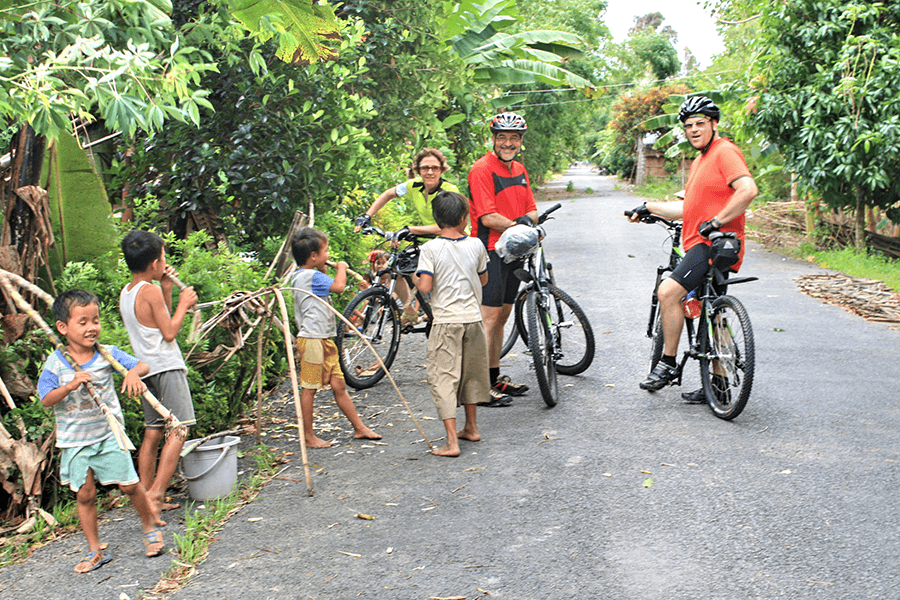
<point>151,538</point>
<point>95,560</point>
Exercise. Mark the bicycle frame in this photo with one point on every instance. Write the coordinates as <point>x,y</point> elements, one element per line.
<point>674,257</point>
<point>392,270</point>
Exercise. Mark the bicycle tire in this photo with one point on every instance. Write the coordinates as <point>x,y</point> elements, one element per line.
<point>727,357</point>
<point>574,335</point>
<point>380,325</point>
<point>540,341</point>
<point>515,327</point>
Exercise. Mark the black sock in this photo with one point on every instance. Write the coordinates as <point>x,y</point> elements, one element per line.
<point>495,373</point>
<point>669,360</point>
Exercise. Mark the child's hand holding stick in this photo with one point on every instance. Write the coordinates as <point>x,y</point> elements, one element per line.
<point>171,420</point>
<point>196,320</point>
<point>24,306</point>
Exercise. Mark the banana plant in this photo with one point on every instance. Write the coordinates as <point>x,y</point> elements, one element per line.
<point>473,30</point>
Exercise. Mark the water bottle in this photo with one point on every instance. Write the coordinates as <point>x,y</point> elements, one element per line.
<point>691,305</point>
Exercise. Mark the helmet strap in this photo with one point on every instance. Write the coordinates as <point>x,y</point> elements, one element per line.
<point>715,132</point>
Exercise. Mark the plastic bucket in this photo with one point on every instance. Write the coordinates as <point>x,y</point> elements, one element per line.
<point>211,468</point>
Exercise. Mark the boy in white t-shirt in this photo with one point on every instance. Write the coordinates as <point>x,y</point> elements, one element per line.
<point>453,268</point>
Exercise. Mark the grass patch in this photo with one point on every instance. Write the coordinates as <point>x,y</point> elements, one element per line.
<point>202,524</point>
<point>855,263</point>
<point>659,189</point>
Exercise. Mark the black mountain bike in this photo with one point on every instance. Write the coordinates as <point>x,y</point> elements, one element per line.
<point>723,338</point>
<point>552,325</point>
<point>376,317</point>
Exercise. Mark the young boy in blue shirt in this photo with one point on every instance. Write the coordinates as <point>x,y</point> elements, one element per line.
<point>453,268</point>
<point>319,365</point>
<point>88,447</point>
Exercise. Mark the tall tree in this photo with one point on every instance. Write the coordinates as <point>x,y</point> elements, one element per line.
<point>826,81</point>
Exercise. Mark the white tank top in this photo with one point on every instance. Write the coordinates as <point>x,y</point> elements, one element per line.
<point>147,342</point>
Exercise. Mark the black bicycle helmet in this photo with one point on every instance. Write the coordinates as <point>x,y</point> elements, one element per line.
<point>509,121</point>
<point>698,105</point>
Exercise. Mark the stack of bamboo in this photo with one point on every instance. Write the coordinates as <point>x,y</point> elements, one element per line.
<point>778,224</point>
<point>869,298</point>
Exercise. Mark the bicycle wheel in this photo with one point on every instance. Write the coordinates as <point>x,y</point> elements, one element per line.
<point>540,341</point>
<point>515,327</point>
<point>377,322</point>
<point>574,335</point>
<point>727,361</point>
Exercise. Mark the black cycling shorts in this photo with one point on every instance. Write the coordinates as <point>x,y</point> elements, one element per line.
<point>691,271</point>
<point>502,284</point>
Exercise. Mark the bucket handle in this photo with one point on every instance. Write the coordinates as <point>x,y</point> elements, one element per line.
<point>206,472</point>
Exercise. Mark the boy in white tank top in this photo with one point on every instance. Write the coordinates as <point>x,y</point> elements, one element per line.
<point>145,311</point>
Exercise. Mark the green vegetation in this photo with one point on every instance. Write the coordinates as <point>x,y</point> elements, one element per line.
<point>659,189</point>
<point>202,523</point>
<point>855,263</point>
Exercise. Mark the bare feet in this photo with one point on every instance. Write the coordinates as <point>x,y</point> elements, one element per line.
<point>169,506</point>
<point>364,433</point>
<point>317,443</point>
<point>447,450</point>
<point>466,434</point>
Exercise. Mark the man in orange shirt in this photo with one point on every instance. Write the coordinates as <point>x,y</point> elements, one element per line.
<point>718,192</point>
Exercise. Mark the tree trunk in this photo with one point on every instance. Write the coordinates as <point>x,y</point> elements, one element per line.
<point>872,219</point>
<point>860,220</point>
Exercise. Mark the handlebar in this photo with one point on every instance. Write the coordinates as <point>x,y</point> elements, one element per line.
<point>546,214</point>
<point>407,236</point>
<point>671,223</point>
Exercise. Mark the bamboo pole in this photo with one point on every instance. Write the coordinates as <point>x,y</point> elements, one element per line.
<point>260,342</point>
<point>196,320</point>
<point>114,425</point>
<point>170,420</point>
<point>378,358</point>
<point>295,386</point>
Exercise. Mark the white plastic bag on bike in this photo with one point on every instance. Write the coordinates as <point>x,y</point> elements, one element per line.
<point>517,242</point>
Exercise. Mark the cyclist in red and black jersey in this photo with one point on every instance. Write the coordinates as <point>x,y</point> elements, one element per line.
<point>500,197</point>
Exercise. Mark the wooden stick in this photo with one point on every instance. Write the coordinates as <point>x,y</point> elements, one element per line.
<point>378,358</point>
<point>170,420</point>
<point>4,391</point>
<point>196,320</point>
<point>295,385</point>
<point>358,277</point>
<point>260,342</point>
<point>114,425</point>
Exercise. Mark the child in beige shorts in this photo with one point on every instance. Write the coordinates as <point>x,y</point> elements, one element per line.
<point>453,268</point>
<point>319,365</point>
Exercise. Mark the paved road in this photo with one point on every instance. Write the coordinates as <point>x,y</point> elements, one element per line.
<point>794,499</point>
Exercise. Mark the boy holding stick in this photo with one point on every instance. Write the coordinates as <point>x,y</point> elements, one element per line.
<point>453,268</point>
<point>88,447</point>
<point>315,329</point>
<point>145,311</point>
